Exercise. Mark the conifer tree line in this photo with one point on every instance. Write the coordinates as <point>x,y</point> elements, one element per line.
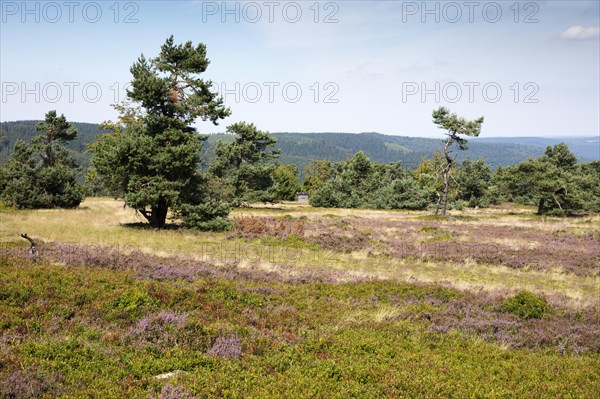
<point>151,159</point>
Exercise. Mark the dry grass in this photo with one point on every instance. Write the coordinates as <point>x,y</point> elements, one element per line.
<point>105,222</point>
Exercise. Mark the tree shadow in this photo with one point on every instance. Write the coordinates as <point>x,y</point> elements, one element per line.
<point>147,226</point>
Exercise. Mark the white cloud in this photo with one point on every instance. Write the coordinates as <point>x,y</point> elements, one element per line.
<point>581,32</point>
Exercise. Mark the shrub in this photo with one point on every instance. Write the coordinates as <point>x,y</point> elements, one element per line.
<point>209,216</point>
<point>526,305</point>
<point>131,301</point>
<point>325,197</point>
<point>129,305</point>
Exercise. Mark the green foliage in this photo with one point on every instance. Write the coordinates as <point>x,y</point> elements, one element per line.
<point>42,174</point>
<point>474,180</point>
<point>327,197</point>
<point>554,183</point>
<point>152,157</point>
<point>588,181</point>
<point>285,182</point>
<point>207,216</point>
<point>358,183</point>
<point>317,174</point>
<point>454,127</point>
<point>402,193</point>
<point>526,305</point>
<point>297,340</point>
<point>93,184</point>
<point>245,165</point>
<point>130,302</point>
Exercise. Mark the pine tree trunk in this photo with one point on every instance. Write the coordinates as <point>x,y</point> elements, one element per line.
<point>449,161</point>
<point>541,206</point>
<point>159,214</point>
<point>445,194</point>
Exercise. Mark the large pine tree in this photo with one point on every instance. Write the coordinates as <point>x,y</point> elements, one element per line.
<point>152,157</point>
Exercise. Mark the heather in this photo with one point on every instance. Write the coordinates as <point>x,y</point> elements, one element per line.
<point>104,329</point>
<point>300,302</point>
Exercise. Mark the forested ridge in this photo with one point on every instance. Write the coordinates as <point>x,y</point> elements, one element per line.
<point>300,149</point>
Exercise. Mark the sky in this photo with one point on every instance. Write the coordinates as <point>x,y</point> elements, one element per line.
<point>531,68</point>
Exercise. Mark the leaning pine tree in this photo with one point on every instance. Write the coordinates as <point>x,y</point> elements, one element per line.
<point>454,127</point>
<point>151,158</point>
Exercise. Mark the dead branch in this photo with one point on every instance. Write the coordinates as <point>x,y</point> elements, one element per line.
<point>32,248</point>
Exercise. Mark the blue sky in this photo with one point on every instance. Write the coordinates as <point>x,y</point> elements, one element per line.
<point>530,67</point>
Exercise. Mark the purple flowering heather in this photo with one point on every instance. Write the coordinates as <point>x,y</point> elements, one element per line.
<point>228,347</point>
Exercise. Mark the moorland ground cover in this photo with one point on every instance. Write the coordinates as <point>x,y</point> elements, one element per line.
<point>300,302</point>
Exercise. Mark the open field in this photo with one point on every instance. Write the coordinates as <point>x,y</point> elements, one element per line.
<point>300,302</point>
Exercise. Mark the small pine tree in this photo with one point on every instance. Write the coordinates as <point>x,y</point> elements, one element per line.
<point>285,182</point>
<point>42,174</point>
<point>245,165</point>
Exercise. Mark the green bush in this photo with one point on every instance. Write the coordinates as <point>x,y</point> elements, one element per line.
<point>208,216</point>
<point>526,305</point>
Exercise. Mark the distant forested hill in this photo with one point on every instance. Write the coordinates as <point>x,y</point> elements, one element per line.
<point>10,132</point>
<point>302,148</point>
<point>586,148</point>
<point>384,149</point>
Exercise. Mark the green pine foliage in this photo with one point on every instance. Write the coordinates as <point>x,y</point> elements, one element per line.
<point>42,174</point>
<point>151,159</point>
<point>474,181</point>
<point>285,182</point>
<point>317,174</point>
<point>206,216</point>
<point>246,165</point>
<point>554,182</point>
<point>358,183</point>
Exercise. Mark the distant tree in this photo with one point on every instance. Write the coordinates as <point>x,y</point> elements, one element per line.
<point>285,182</point>
<point>428,175</point>
<point>57,131</point>
<point>359,169</point>
<point>346,186</point>
<point>454,127</point>
<point>42,174</point>
<point>561,156</point>
<point>93,185</point>
<point>246,164</point>
<point>393,187</point>
<point>152,157</point>
<point>317,174</point>
<point>474,179</point>
<point>359,183</point>
<point>588,181</point>
<point>554,182</point>
<point>327,196</point>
